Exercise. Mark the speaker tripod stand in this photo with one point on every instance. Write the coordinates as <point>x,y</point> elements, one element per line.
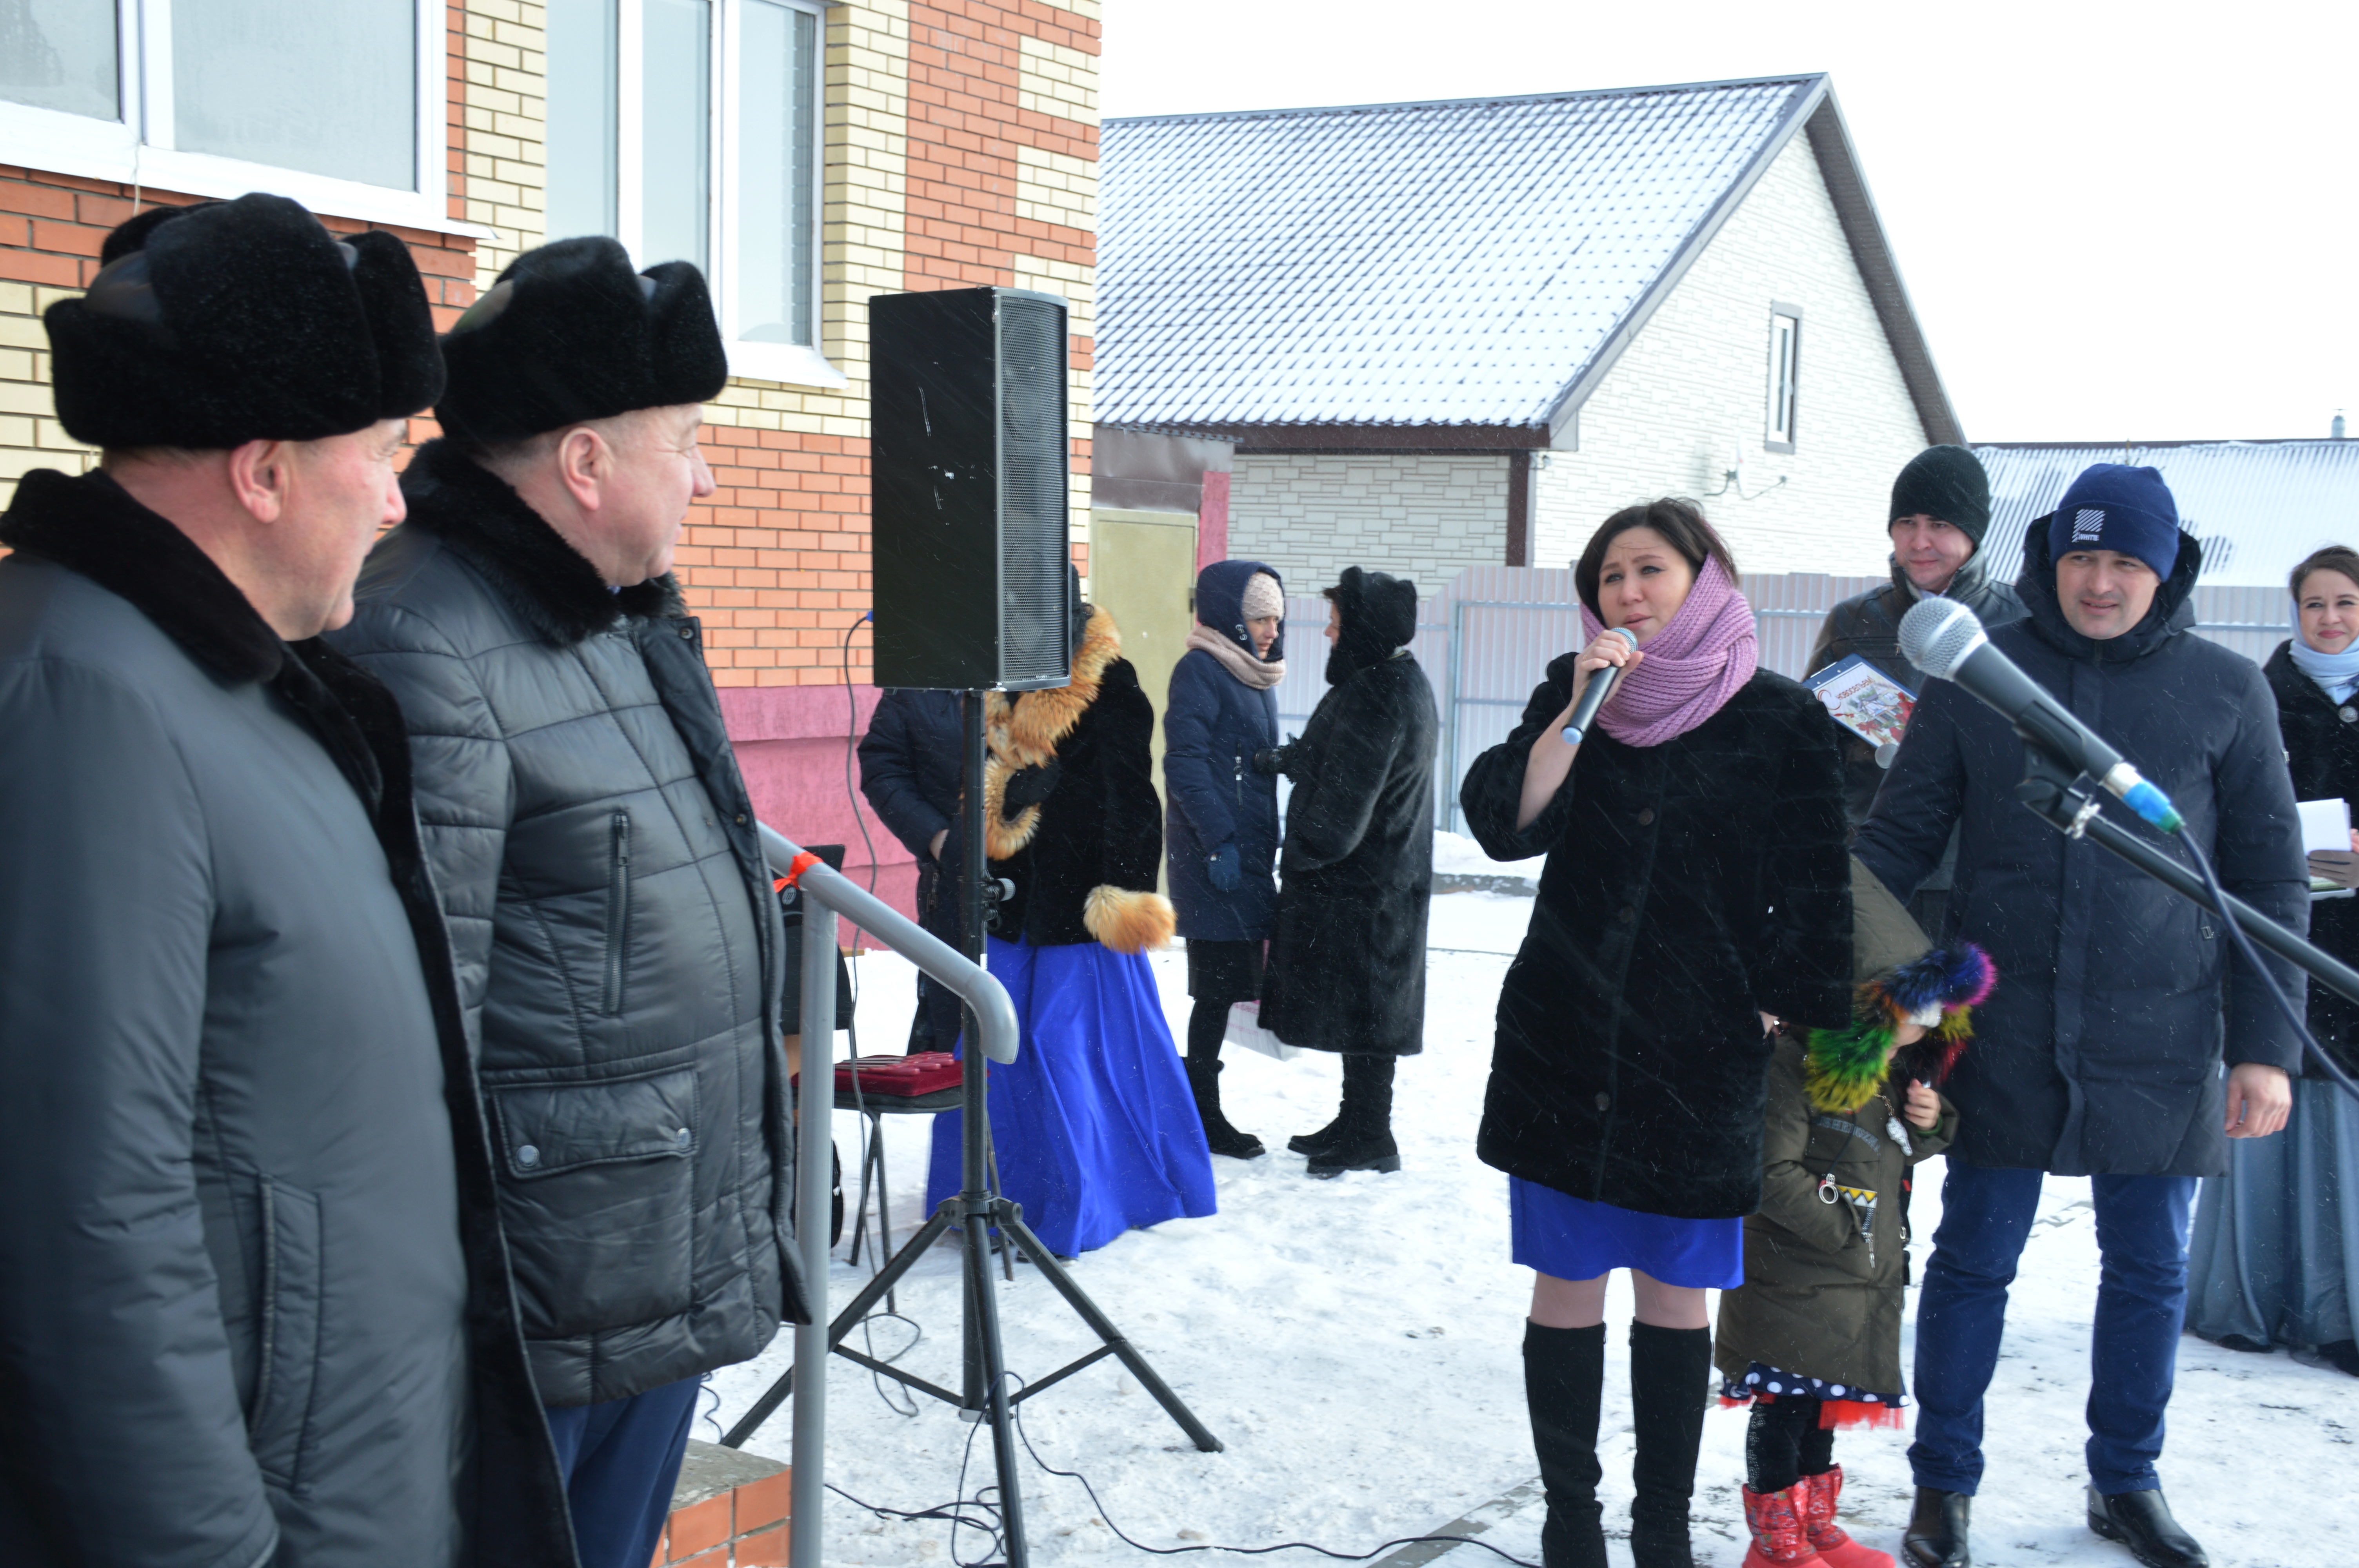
<point>972,1215</point>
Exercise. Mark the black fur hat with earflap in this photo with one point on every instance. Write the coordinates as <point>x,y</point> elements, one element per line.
<point>211,326</point>
<point>571,333</point>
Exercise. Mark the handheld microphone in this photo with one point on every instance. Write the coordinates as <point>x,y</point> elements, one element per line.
<point>1943,638</point>
<point>1593,696</point>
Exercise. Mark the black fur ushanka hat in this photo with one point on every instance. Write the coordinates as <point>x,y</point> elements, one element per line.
<point>569,333</point>
<point>232,321</point>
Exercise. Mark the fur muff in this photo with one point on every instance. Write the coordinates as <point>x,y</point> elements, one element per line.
<point>571,333</point>
<point>1129,921</point>
<point>234,321</point>
<point>1083,854</point>
<point>1845,1067</point>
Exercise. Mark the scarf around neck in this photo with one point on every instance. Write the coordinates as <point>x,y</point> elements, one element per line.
<point>2337,674</point>
<point>1258,673</point>
<point>1694,665</point>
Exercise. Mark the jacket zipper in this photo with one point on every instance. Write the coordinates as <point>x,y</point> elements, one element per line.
<point>618,909</point>
<point>1241,778</point>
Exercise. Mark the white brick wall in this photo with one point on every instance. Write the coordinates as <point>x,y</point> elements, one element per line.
<point>1425,516</point>
<point>1054,80</point>
<point>1693,390</point>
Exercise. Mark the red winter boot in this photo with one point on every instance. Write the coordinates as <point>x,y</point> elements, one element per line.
<point>1776,1520</point>
<point>1816,1495</point>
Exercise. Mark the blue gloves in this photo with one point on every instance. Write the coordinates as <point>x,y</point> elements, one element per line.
<point>1227,869</point>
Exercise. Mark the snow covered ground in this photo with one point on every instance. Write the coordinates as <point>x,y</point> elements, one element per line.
<point>1355,1343</point>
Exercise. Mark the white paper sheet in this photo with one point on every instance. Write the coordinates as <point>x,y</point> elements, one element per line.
<point>2325,825</point>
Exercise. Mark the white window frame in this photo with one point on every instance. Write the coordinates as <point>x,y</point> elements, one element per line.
<point>1785,376</point>
<point>136,149</point>
<point>796,365</point>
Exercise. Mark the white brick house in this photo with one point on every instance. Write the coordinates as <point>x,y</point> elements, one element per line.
<point>1459,334</point>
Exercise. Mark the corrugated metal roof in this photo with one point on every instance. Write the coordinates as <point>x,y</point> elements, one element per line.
<point>2258,506</point>
<point>1420,264</point>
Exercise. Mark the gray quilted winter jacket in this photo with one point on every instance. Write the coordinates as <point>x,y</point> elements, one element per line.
<point>253,1304</point>
<point>616,937</point>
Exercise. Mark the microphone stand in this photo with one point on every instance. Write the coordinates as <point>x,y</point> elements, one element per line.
<point>2068,800</point>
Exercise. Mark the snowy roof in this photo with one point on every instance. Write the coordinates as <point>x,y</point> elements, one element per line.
<point>2259,507</point>
<point>1476,265</point>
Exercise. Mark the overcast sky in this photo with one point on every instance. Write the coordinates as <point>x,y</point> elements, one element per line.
<point>2117,221</point>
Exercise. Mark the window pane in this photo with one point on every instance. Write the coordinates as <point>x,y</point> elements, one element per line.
<point>582,79</point>
<point>60,54</point>
<point>327,88</point>
<point>676,141</point>
<point>778,69</point>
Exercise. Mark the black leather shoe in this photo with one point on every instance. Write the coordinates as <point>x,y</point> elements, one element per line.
<point>2142,1521</point>
<point>1937,1529</point>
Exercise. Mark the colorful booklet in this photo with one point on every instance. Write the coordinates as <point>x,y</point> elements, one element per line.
<point>1866,702</point>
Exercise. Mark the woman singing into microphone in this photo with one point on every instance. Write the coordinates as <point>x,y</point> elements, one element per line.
<point>1697,892</point>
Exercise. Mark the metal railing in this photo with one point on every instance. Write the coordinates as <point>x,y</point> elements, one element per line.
<point>828,893</point>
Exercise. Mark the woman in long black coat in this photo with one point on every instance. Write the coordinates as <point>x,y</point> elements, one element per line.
<point>1347,955</point>
<point>1223,835</point>
<point>1696,891</point>
<point>2275,1258</point>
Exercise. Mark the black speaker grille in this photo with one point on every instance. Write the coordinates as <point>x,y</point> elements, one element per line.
<point>1032,490</point>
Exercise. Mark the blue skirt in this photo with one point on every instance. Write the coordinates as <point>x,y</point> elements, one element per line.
<point>1095,1128</point>
<point>1573,1239</point>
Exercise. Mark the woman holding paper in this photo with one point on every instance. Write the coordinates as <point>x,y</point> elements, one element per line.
<point>1697,892</point>
<point>2276,1259</point>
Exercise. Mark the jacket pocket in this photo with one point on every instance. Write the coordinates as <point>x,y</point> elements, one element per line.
<point>287,1356</point>
<point>618,911</point>
<point>598,1191</point>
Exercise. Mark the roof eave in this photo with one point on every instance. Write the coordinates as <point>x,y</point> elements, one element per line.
<point>1295,437</point>
<point>1872,252</point>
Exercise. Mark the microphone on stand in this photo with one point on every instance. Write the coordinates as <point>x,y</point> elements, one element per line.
<point>1593,695</point>
<point>1943,638</point>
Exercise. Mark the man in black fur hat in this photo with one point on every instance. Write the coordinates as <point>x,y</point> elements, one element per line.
<point>619,943</point>
<point>1939,514</point>
<point>253,1304</point>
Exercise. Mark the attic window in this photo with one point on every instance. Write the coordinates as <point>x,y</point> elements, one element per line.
<point>1785,373</point>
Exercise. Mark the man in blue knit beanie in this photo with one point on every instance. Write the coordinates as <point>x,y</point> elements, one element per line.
<point>2101,1054</point>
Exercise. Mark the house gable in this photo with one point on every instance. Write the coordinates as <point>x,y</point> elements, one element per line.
<point>1691,394</point>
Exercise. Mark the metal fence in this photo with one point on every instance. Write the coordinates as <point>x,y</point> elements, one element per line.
<point>1486,639</point>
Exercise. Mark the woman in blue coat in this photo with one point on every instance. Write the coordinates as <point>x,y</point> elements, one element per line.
<point>1223,834</point>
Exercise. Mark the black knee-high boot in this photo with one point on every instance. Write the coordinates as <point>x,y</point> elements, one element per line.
<point>1206,1026</point>
<point>1669,1373</point>
<point>1366,1143</point>
<point>1564,1373</point>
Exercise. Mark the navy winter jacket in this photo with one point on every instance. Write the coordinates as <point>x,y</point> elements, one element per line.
<point>2100,1052</point>
<point>910,763</point>
<point>1213,725</point>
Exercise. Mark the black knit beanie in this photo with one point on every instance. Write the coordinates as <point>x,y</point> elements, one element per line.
<point>1947,483</point>
<point>569,333</point>
<point>211,326</point>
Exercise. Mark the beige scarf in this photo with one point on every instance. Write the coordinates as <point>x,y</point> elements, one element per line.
<point>1258,673</point>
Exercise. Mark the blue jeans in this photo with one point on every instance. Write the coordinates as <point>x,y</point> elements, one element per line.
<point>621,1461</point>
<point>2133,1350</point>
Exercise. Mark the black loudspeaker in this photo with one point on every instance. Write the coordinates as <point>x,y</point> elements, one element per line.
<point>967,457</point>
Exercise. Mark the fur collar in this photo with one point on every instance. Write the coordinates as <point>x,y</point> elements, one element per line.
<point>1025,735</point>
<point>545,580</point>
<point>92,525</point>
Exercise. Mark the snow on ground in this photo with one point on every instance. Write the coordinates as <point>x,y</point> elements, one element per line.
<point>1355,1344</point>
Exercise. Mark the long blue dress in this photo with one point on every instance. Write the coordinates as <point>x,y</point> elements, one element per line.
<point>1094,1126</point>
<point>2275,1253</point>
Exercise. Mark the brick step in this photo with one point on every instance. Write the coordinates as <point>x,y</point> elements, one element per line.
<point>729,1512</point>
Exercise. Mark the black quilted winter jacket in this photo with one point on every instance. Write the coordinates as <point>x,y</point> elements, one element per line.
<point>616,939</point>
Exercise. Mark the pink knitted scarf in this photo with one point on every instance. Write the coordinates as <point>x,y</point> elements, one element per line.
<point>1693,665</point>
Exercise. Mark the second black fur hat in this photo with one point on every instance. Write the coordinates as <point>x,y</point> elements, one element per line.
<point>1947,483</point>
<point>571,333</point>
<point>211,326</point>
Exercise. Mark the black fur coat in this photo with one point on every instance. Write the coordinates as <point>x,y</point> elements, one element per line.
<point>1690,887</point>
